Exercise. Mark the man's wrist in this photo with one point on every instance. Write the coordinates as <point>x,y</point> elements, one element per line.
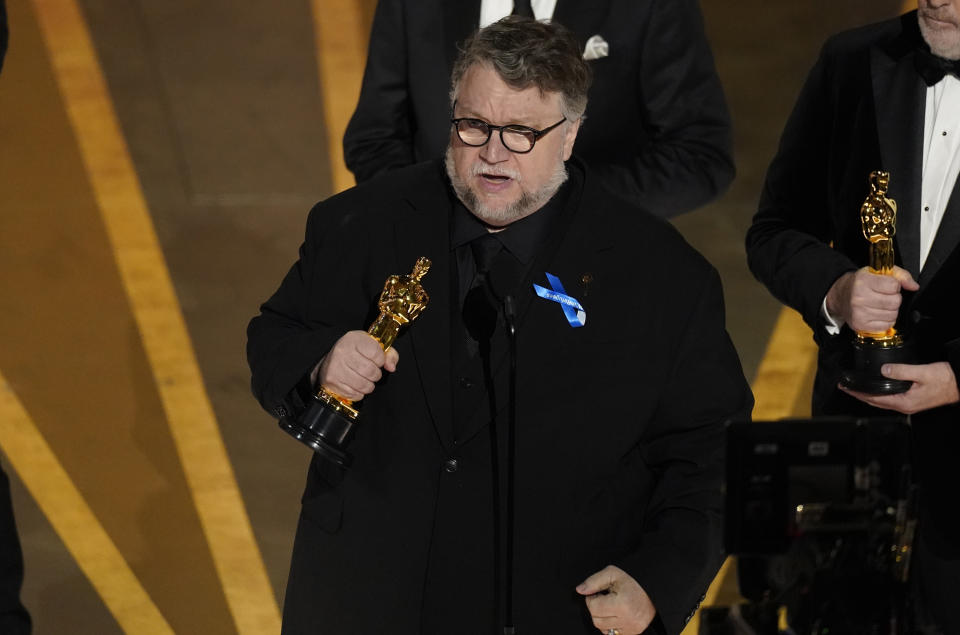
<point>832,307</point>
<point>831,323</point>
<point>315,373</point>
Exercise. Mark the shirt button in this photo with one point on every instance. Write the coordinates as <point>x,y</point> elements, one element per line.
<point>451,465</point>
<point>465,383</point>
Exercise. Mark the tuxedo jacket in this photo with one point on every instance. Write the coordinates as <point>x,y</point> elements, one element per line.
<point>657,130</point>
<point>861,110</point>
<point>619,423</point>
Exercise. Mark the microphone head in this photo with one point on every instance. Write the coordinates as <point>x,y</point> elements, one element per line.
<point>510,316</point>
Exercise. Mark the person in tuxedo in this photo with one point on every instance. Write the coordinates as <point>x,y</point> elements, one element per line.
<point>621,395</point>
<point>882,97</point>
<point>658,131</point>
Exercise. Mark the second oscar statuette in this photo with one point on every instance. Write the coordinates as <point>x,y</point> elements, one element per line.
<point>878,216</point>
<point>327,424</point>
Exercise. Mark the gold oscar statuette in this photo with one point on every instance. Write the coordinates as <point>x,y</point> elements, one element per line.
<point>326,425</point>
<point>878,218</point>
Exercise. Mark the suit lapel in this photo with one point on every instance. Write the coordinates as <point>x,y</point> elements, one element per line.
<point>899,95</point>
<point>425,232</point>
<point>946,240</point>
<point>570,256</point>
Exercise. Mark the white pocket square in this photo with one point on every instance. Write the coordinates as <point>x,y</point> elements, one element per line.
<point>596,48</point>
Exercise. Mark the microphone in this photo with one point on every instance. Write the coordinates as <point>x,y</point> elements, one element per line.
<point>484,301</point>
<point>510,317</point>
<point>480,311</point>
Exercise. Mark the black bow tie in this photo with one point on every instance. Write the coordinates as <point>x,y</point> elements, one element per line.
<point>522,7</point>
<point>932,68</point>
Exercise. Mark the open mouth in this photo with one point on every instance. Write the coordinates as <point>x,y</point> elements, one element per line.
<point>496,178</point>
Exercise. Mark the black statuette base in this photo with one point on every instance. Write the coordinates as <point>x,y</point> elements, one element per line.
<point>865,375</point>
<point>324,430</point>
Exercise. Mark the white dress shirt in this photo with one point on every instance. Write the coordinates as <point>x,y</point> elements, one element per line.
<point>493,10</point>
<point>941,157</point>
<point>941,165</point>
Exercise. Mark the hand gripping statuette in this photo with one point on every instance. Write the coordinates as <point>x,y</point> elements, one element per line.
<point>871,350</point>
<point>326,425</point>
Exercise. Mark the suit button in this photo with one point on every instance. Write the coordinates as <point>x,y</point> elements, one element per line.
<point>465,383</point>
<point>451,465</point>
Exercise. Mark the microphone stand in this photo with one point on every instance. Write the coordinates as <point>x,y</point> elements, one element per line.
<point>510,315</point>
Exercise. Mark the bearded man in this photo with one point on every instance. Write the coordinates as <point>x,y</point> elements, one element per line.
<point>881,97</point>
<point>617,452</point>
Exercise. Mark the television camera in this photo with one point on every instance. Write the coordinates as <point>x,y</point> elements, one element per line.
<point>821,515</point>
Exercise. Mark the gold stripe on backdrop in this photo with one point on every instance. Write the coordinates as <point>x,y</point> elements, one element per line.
<point>710,598</point>
<point>341,34</point>
<point>158,316</point>
<point>74,521</point>
<point>784,379</point>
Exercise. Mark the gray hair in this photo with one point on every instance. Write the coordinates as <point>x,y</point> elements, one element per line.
<point>525,52</point>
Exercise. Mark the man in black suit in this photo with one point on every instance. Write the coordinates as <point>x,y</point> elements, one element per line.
<point>624,379</point>
<point>882,97</point>
<point>658,131</point>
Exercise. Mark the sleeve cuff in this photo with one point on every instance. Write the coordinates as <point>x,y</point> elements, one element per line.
<point>831,324</point>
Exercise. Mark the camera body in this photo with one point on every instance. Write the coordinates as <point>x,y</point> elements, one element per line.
<point>821,515</point>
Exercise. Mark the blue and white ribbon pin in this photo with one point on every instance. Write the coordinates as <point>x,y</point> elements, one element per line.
<point>574,312</point>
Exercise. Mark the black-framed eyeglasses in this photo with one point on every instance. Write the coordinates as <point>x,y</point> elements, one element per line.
<point>516,138</point>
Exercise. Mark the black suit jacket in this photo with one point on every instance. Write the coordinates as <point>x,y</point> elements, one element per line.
<point>619,433</point>
<point>862,109</point>
<point>657,130</point>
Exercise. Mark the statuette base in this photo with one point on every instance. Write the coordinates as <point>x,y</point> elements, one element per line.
<point>868,358</point>
<point>324,429</point>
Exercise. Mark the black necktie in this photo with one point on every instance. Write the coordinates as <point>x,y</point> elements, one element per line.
<point>485,250</point>
<point>522,7</point>
<point>933,68</point>
<point>480,307</point>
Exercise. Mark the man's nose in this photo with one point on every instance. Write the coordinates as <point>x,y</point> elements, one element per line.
<point>494,151</point>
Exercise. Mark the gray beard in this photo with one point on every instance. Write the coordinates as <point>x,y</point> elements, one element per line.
<point>945,46</point>
<point>528,203</point>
